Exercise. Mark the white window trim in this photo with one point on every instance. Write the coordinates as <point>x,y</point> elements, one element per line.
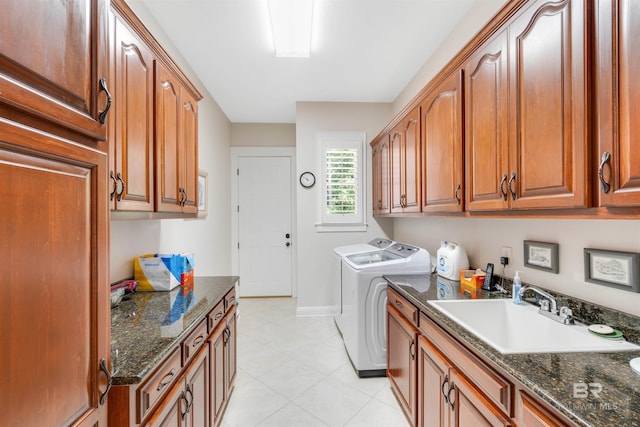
<point>341,139</point>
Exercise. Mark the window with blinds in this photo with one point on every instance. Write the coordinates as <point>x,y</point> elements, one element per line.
<point>342,181</point>
<point>341,170</point>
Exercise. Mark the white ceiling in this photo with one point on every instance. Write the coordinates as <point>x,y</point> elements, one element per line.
<point>362,51</point>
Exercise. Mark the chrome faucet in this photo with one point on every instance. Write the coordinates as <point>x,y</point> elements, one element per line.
<point>549,306</point>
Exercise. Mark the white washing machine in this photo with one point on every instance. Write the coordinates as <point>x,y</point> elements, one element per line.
<point>336,267</point>
<point>362,321</point>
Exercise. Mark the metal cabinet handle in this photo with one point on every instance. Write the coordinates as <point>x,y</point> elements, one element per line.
<point>287,244</point>
<point>457,194</point>
<point>218,315</point>
<point>183,397</point>
<point>451,402</point>
<point>119,194</point>
<point>511,179</point>
<point>412,351</point>
<point>606,156</point>
<point>166,380</point>
<point>198,341</point>
<point>103,369</point>
<point>189,401</point>
<point>103,115</point>
<point>444,394</point>
<point>504,193</point>
<point>115,185</point>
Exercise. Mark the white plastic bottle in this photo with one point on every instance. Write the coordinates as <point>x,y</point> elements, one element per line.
<point>515,290</point>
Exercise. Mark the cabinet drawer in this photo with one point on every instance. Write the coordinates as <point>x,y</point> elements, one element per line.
<point>196,339</point>
<point>498,389</point>
<point>150,393</point>
<point>532,414</point>
<point>229,300</point>
<point>215,316</point>
<point>408,310</point>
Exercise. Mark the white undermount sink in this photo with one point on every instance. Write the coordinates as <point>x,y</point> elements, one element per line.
<point>513,329</point>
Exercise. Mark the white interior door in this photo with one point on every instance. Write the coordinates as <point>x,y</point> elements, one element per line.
<point>264,226</point>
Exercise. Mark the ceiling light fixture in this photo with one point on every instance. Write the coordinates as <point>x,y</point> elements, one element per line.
<point>291,27</point>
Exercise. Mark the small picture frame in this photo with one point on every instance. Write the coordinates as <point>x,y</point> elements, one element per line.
<point>612,268</point>
<point>203,201</point>
<point>541,256</point>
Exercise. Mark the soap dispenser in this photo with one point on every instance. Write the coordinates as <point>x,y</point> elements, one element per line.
<point>515,290</point>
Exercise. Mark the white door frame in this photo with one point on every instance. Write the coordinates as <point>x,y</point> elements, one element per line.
<point>236,153</point>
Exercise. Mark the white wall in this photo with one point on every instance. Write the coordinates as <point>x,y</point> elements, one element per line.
<point>210,238</point>
<point>484,238</point>
<point>470,24</point>
<point>314,250</point>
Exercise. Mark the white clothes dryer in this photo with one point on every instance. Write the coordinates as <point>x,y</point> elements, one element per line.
<point>362,321</point>
<point>336,266</point>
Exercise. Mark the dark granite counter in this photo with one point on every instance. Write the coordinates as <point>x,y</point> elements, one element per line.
<point>147,325</point>
<point>551,376</point>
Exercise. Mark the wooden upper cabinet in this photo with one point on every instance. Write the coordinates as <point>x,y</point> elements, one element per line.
<point>486,126</point>
<point>176,145</point>
<point>380,175</point>
<point>189,152</point>
<point>52,58</point>
<point>548,137</point>
<point>616,165</point>
<point>132,141</point>
<point>54,228</point>
<point>442,145</point>
<point>405,164</point>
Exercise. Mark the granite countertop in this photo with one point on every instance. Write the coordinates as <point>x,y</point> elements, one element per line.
<point>551,376</point>
<point>146,326</point>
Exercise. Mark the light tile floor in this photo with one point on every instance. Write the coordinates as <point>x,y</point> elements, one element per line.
<point>294,371</point>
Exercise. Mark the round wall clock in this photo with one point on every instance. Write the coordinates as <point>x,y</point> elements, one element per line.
<point>307,179</point>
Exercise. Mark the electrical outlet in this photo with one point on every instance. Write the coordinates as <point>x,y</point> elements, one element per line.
<point>507,252</point>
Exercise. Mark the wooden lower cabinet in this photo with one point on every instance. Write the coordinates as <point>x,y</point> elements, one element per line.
<point>222,365</point>
<point>401,361</point>
<point>440,382</point>
<point>192,385</point>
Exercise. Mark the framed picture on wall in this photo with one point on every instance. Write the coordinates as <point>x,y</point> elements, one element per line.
<point>612,268</point>
<point>203,202</point>
<point>541,255</point>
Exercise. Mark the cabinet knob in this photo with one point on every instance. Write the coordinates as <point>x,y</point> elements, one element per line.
<point>606,156</point>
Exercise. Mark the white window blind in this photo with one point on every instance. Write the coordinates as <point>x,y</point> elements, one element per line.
<point>342,164</point>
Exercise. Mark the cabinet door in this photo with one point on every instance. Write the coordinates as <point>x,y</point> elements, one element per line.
<point>380,175</point>
<point>133,104</point>
<point>486,129</point>
<point>218,396</point>
<point>548,151</point>
<point>397,173</point>
<point>188,153</point>
<point>470,408</point>
<point>411,157</point>
<point>402,361</point>
<point>52,57</point>
<point>197,389</point>
<point>230,353</point>
<point>617,163</point>
<point>55,328</point>
<point>433,386</point>
<point>172,412</point>
<point>442,173</point>
<point>167,167</point>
